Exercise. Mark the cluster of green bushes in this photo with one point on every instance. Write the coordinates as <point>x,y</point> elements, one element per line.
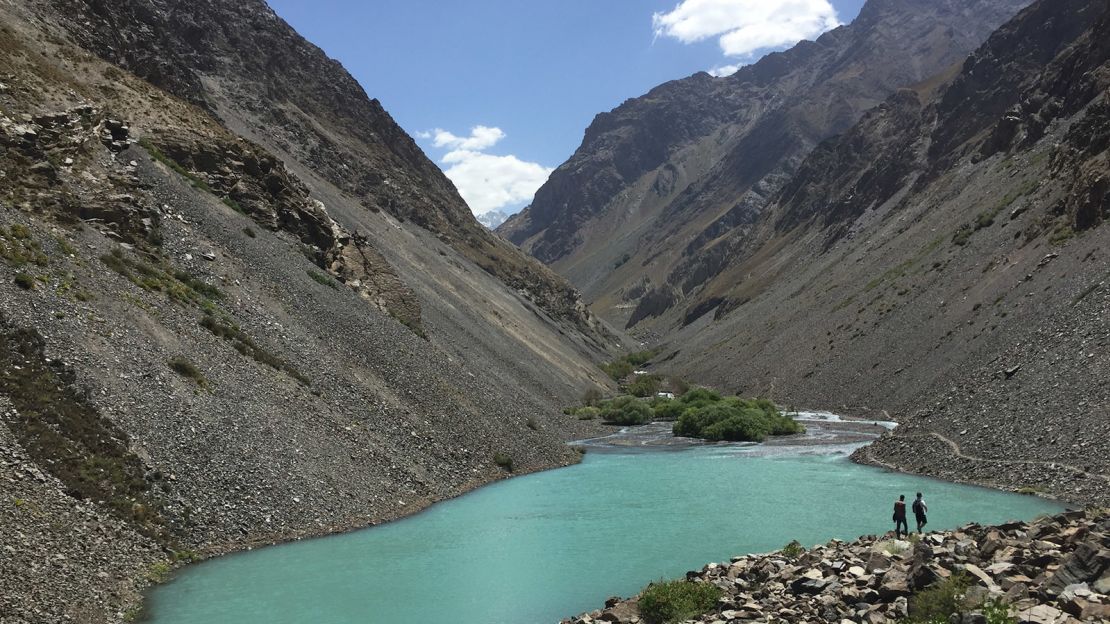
<point>674,601</point>
<point>627,410</point>
<point>624,366</point>
<point>705,414</point>
<point>948,597</point>
<point>699,413</point>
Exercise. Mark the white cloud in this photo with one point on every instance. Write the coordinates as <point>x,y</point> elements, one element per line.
<point>481,137</point>
<point>724,70</point>
<point>489,182</point>
<point>486,181</point>
<point>744,27</point>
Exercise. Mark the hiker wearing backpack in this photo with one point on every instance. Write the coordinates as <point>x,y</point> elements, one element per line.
<point>900,524</point>
<point>919,511</point>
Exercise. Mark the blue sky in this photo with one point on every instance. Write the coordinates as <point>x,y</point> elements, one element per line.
<point>531,75</point>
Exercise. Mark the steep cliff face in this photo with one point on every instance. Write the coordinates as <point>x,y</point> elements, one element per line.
<point>245,65</point>
<point>942,260</point>
<point>209,338</point>
<point>660,179</point>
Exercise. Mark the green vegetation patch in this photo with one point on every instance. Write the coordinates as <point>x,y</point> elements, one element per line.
<point>64,433</point>
<point>731,419</point>
<point>624,366</point>
<point>503,461</point>
<point>1061,235</point>
<point>986,218</point>
<point>19,249</point>
<point>626,410</point>
<point>645,386</point>
<point>322,279</point>
<point>246,346</point>
<point>26,281</point>
<point>667,602</point>
<point>188,370</point>
<point>154,274</point>
<point>793,550</point>
<point>938,601</point>
<point>161,157</point>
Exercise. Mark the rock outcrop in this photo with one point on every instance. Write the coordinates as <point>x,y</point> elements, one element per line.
<point>247,67</point>
<point>1054,570</point>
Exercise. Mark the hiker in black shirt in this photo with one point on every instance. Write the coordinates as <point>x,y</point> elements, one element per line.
<point>900,523</point>
<point>919,511</point>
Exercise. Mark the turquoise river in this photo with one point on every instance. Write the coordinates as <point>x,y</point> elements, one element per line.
<point>538,548</point>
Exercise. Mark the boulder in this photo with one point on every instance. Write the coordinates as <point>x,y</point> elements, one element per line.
<point>1040,614</point>
<point>805,585</point>
<point>1102,585</point>
<point>895,584</point>
<point>1086,564</point>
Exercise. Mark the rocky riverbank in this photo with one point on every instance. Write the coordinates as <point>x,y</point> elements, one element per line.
<point>1054,570</point>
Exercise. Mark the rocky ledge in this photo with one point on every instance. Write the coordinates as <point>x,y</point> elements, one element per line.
<point>1055,570</point>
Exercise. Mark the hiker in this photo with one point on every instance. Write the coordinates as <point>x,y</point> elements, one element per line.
<point>919,511</point>
<point>900,523</point>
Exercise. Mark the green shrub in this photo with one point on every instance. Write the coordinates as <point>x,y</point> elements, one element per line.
<point>618,369</point>
<point>626,410</point>
<point>667,602</point>
<point>668,409</point>
<point>700,397</point>
<point>645,386</point>
<point>1061,235</point>
<point>939,600</point>
<point>639,358</point>
<point>159,572</point>
<point>793,550</point>
<point>198,286</point>
<point>187,369</point>
<point>998,612</point>
<point>234,205</point>
<point>134,613</point>
<point>587,413</point>
<point>26,281</point>
<point>245,345</point>
<point>320,278</point>
<point>19,249</point>
<point>622,367</point>
<point>503,460</point>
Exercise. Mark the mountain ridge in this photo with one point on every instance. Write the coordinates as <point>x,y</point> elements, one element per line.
<point>760,122</point>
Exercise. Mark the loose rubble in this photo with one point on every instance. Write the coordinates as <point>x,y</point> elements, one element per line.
<point>1054,570</point>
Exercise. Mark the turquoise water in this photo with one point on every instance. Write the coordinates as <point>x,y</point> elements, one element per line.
<point>543,547</point>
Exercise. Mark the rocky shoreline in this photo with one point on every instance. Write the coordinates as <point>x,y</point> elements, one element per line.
<point>920,451</point>
<point>1054,570</point>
